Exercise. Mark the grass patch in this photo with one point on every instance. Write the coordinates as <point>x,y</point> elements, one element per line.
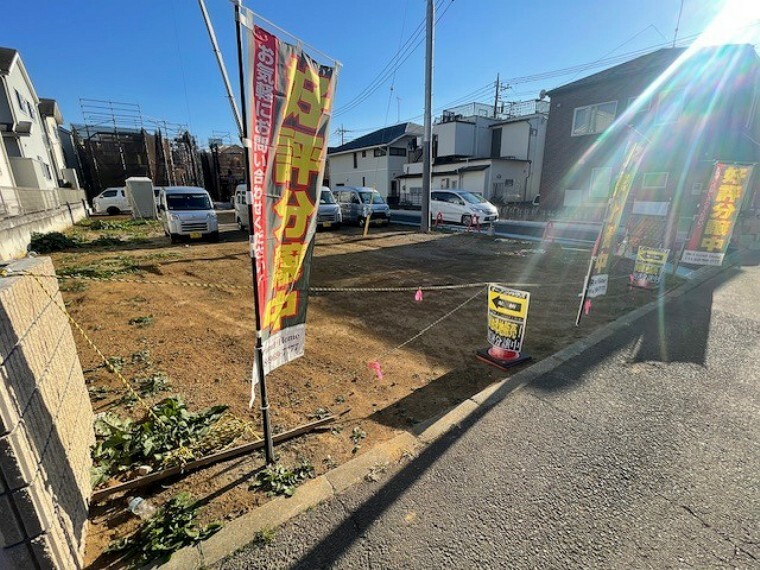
<point>174,526</point>
<point>104,268</point>
<point>281,480</point>
<point>72,286</point>
<point>52,241</point>
<point>142,321</point>
<point>122,443</point>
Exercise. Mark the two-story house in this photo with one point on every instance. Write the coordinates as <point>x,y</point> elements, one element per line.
<point>375,159</point>
<point>23,129</point>
<point>688,107</point>
<point>499,156</point>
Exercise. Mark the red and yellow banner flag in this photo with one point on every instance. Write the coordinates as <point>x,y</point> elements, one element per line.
<point>606,242</point>
<point>711,232</point>
<point>291,101</point>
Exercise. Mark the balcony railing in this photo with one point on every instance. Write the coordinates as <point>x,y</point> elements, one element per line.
<point>16,201</point>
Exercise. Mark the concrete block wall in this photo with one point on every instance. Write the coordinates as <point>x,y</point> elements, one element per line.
<point>45,426</point>
<point>16,231</point>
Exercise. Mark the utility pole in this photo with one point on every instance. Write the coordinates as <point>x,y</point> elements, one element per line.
<point>496,97</point>
<point>341,131</point>
<point>427,137</point>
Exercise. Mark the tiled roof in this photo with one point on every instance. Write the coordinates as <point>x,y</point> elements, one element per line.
<point>380,137</point>
<point>6,59</point>
<point>657,62</point>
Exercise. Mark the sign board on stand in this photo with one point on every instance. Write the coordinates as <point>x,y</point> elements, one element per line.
<point>507,318</point>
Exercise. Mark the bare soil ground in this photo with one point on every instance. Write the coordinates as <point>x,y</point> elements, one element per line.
<point>202,340</point>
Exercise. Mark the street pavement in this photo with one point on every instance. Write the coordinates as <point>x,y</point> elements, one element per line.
<point>640,453</point>
<point>580,234</point>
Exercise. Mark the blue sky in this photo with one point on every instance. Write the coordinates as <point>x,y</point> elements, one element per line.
<point>157,53</point>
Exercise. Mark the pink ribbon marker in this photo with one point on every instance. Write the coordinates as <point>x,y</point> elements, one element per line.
<point>418,295</point>
<point>375,367</point>
<point>587,307</point>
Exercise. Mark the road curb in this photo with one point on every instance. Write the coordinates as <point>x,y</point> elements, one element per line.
<point>242,531</point>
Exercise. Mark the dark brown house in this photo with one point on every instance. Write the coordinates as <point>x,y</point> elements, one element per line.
<point>689,107</point>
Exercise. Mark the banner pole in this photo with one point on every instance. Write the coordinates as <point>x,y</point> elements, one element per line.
<point>592,261</point>
<point>258,354</point>
<point>220,62</point>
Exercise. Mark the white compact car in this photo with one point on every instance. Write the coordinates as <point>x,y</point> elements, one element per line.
<point>111,201</point>
<point>187,212</point>
<point>461,207</point>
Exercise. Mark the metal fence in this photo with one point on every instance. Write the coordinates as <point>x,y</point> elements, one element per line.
<point>19,201</point>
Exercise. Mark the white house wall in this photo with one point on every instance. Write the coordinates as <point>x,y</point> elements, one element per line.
<point>514,140</point>
<point>56,148</point>
<point>33,145</point>
<point>374,172</point>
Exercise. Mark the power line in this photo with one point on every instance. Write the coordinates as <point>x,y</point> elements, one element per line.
<point>384,77</point>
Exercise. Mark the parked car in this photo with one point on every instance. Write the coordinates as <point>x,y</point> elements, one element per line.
<point>461,206</point>
<point>111,201</point>
<point>328,212</point>
<point>240,203</point>
<point>356,203</point>
<point>187,211</point>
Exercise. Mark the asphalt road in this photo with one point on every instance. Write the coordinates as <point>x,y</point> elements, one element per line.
<point>641,453</point>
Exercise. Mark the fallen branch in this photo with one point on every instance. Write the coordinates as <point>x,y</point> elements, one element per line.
<point>208,460</point>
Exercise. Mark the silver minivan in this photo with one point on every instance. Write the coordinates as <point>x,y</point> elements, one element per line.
<point>328,213</point>
<point>187,211</point>
<point>358,202</point>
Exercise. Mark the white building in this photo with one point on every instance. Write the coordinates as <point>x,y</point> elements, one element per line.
<point>375,159</point>
<point>51,120</point>
<point>23,130</point>
<point>499,157</point>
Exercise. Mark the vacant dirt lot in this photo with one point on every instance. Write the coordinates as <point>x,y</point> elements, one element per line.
<point>202,339</point>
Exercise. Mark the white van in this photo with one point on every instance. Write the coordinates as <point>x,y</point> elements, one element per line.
<point>187,211</point>
<point>240,203</point>
<point>461,207</point>
<point>111,201</point>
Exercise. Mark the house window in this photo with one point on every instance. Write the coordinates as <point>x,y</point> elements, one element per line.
<point>364,181</point>
<point>394,151</point>
<point>364,154</point>
<point>31,110</point>
<point>642,106</point>
<point>21,102</point>
<point>573,197</point>
<point>593,119</point>
<point>655,181</point>
<point>670,106</point>
<point>355,161</point>
<point>45,169</point>
<point>495,143</point>
<point>696,189</point>
<point>600,182</point>
<point>509,182</point>
<point>380,152</point>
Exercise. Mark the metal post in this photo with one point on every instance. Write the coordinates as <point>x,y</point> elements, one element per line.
<point>427,147</point>
<point>222,69</point>
<point>258,355</point>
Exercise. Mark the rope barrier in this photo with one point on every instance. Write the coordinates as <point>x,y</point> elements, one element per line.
<point>230,287</point>
<point>224,432</point>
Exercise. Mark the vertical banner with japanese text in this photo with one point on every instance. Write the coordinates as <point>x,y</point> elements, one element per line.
<point>712,229</point>
<point>290,104</point>
<point>605,245</point>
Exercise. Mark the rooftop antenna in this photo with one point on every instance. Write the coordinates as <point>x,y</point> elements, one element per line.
<point>678,23</point>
